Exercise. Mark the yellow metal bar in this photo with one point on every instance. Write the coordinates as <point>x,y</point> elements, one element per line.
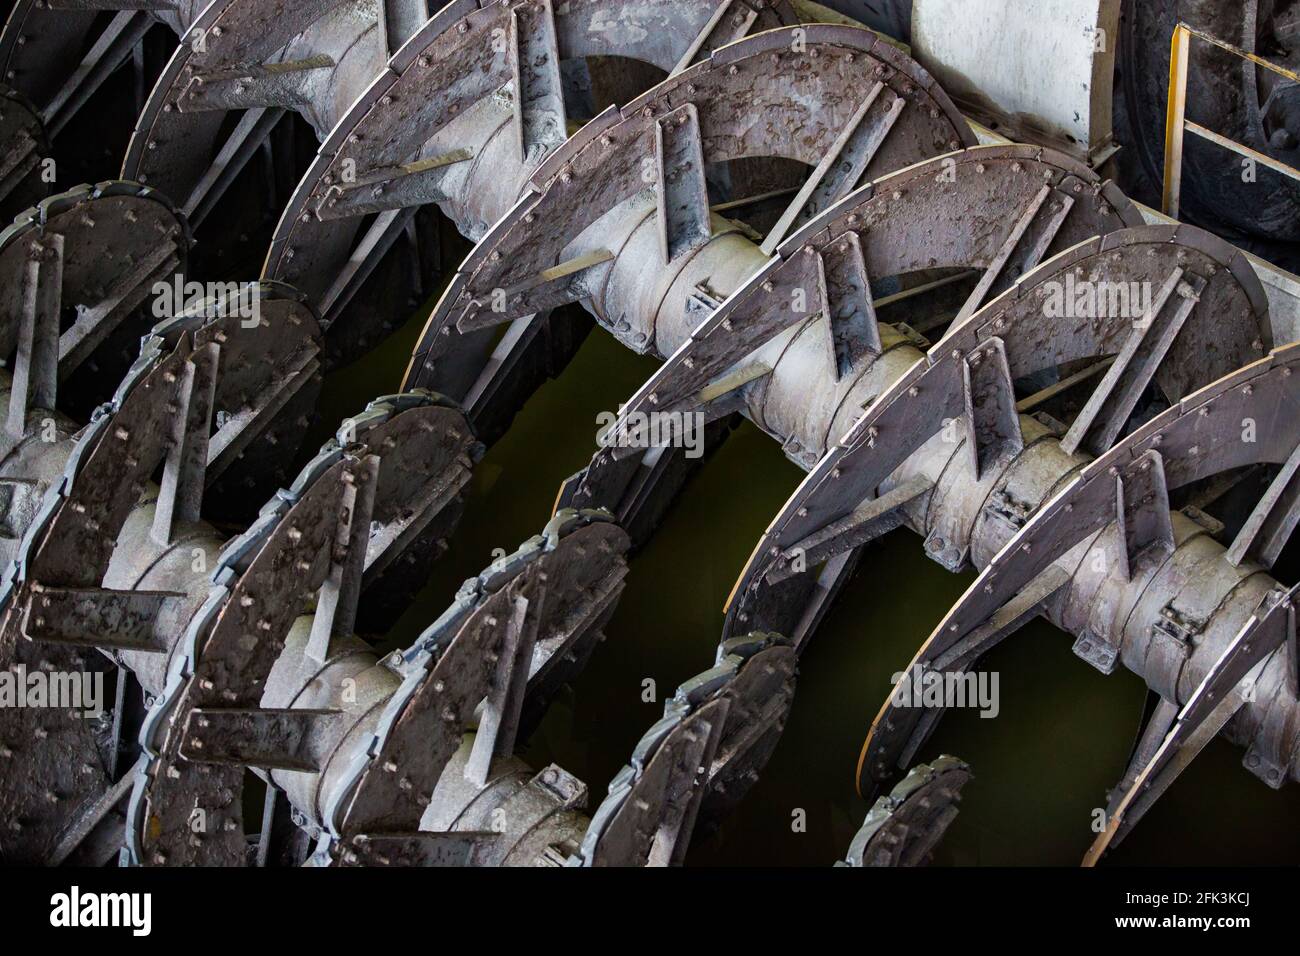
<point>1257,60</point>
<point>1028,404</point>
<point>1177,124</point>
<point>573,266</point>
<point>1174,120</point>
<point>729,383</point>
<point>1242,150</point>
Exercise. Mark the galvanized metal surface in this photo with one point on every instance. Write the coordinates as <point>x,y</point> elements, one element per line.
<point>257,59</point>
<point>716,734</point>
<point>807,79</point>
<point>409,759</point>
<point>1041,74</point>
<point>903,827</point>
<point>943,214</point>
<point>398,148</point>
<point>24,179</point>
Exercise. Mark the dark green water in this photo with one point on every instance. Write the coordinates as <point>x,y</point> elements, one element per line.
<point>1061,740</point>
